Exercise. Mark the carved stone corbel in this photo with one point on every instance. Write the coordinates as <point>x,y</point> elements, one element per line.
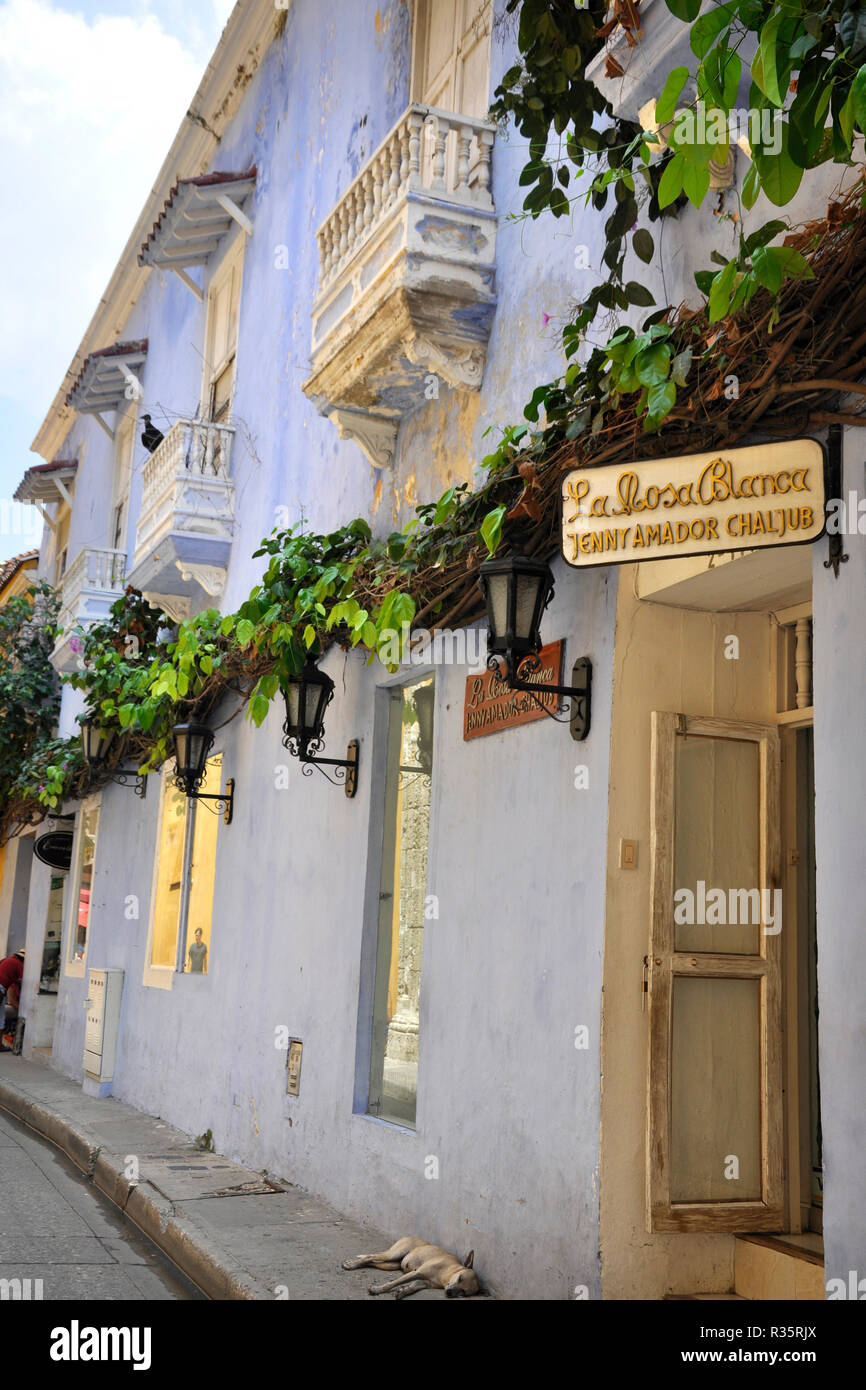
<point>459,369</point>
<point>376,434</point>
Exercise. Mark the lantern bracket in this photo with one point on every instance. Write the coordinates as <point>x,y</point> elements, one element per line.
<point>225,800</point>
<point>346,774</point>
<point>578,713</point>
<point>138,780</point>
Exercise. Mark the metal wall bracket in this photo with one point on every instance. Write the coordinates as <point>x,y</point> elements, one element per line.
<point>581,698</point>
<point>836,555</point>
<point>352,754</point>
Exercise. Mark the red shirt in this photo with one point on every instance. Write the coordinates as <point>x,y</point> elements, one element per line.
<point>11,971</point>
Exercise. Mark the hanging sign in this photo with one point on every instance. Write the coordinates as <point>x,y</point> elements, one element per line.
<point>701,504</point>
<point>491,704</point>
<point>55,849</point>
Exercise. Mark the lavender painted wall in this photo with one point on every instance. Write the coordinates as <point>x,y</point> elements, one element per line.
<point>512,967</point>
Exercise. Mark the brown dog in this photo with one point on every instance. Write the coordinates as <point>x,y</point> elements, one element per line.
<point>424,1267</point>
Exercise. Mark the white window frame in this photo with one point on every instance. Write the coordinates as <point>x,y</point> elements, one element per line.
<point>233,259</point>
<point>406,675</point>
<point>122,475</point>
<point>162,976</point>
<point>76,968</point>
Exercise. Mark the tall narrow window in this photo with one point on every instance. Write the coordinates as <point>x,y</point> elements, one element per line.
<point>451,70</point>
<point>184,880</point>
<point>221,336</point>
<point>202,873</point>
<point>122,473</point>
<point>402,904</point>
<point>169,878</point>
<point>81,897</point>
<point>451,55</point>
<point>61,541</point>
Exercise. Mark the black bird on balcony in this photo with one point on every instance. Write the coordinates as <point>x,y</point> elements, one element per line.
<point>151,437</point>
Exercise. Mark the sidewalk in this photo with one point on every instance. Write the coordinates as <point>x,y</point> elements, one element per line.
<point>233,1232</point>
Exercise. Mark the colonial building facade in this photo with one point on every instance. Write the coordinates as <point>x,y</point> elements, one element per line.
<point>460,1002</point>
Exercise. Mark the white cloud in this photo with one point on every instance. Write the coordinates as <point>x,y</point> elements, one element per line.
<point>88,110</point>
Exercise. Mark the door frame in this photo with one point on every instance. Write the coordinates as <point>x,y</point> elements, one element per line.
<point>797,1115</point>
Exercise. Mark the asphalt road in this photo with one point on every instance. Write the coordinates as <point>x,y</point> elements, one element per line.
<point>55,1226</point>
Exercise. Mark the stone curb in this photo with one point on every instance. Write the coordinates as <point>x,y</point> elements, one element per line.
<point>177,1236</point>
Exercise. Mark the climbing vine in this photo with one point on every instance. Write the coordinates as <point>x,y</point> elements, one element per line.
<point>806,106</point>
<point>143,673</point>
<point>29,688</point>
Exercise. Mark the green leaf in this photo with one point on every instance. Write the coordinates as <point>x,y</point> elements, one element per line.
<point>771,77</point>
<point>639,294</point>
<point>680,366</point>
<point>720,293</point>
<point>661,399</point>
<point>244,631</point>
<point>751,187</point>
<point>764,235</point>
<point>686,10</point>
<point>858,96</point>
<point>642,244</point>
<point>704,280</point>
<point>652,365</point>
<point>793,263</point>
<point>706,30</point>
<point>309,636</point>
<point>667,102</point>
<point>844,125</point>
<point>696,182</point>
<point>780,176</point>
<point>767,269</point>
<point>259,706</point>
<point>491,529</point>
<point>206,664</point>
<point>852,32</point>
<point>671,182</point>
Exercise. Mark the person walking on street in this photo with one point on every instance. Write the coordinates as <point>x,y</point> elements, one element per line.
<point>11,972</point>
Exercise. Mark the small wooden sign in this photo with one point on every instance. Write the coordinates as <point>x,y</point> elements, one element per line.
<point>491,705</point>
<point>700,504</point>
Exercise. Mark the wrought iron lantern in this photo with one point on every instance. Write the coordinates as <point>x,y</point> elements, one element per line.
<point>307,696</point>
<point>98,742</point>
<point>516,590</point>
<point>192,743</point>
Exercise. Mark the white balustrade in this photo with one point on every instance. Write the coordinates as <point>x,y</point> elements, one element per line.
<point>430,151</point>
<point>197,447</point>
<point>93,571</point>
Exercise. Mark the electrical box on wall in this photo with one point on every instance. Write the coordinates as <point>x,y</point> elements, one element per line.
<point>103,1017</point>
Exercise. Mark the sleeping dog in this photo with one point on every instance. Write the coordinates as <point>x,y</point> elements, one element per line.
<point>424,1267</point>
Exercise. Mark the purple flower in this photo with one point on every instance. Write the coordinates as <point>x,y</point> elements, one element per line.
<point>76,645</point>
<point>545,319</point>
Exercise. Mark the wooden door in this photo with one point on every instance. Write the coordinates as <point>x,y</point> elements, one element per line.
<point>714,1105</point>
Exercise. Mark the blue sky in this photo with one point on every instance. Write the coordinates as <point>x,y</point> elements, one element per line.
<point>91,95</point>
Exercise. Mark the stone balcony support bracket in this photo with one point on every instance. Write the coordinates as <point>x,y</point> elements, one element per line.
<point>406,278</point>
